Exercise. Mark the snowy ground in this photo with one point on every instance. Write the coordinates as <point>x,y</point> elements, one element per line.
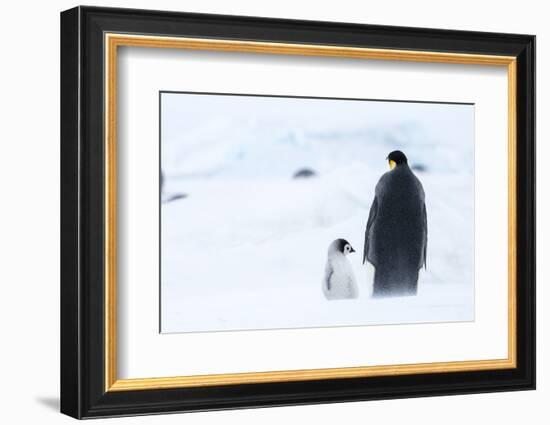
<point>246,248</point>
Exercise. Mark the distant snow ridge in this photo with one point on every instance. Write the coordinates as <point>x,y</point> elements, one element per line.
<point>222,147</point>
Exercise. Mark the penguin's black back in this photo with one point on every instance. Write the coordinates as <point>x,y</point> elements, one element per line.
<point>396,234</point>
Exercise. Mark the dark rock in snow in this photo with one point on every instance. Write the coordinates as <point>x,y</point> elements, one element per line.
<point>304,173</point>
<point>175,197</point>
<point>419,167</point>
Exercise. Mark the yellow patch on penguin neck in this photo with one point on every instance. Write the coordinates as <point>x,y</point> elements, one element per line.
<point>392,164</point>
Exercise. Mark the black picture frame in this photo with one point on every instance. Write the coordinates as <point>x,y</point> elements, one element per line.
<point>83,392</point>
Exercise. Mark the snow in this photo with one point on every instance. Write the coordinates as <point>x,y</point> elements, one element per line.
<point>246,249</point>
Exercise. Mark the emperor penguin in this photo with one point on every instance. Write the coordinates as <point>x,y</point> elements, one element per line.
<point>396,235</point>
<point>339,280</point>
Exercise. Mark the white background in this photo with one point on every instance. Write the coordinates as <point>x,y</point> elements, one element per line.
<point>29,229</point>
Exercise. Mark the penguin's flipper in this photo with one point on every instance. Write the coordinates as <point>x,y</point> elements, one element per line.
<point>328,274</point>
<point>425,224</point>
<point>372,216</point>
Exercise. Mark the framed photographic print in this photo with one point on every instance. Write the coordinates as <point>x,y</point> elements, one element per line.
<point>261,212</point>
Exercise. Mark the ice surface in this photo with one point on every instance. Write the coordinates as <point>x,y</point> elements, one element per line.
<point>246,248</point>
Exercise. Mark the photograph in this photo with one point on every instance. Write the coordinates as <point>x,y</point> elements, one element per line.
<point>281,212</point>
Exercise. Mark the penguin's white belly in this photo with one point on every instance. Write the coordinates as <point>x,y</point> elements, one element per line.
<point>341,283</point>
<point>369,272</point>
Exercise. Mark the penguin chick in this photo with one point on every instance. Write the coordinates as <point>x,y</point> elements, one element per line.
<point>396,236</point>
<point>339,280</point>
